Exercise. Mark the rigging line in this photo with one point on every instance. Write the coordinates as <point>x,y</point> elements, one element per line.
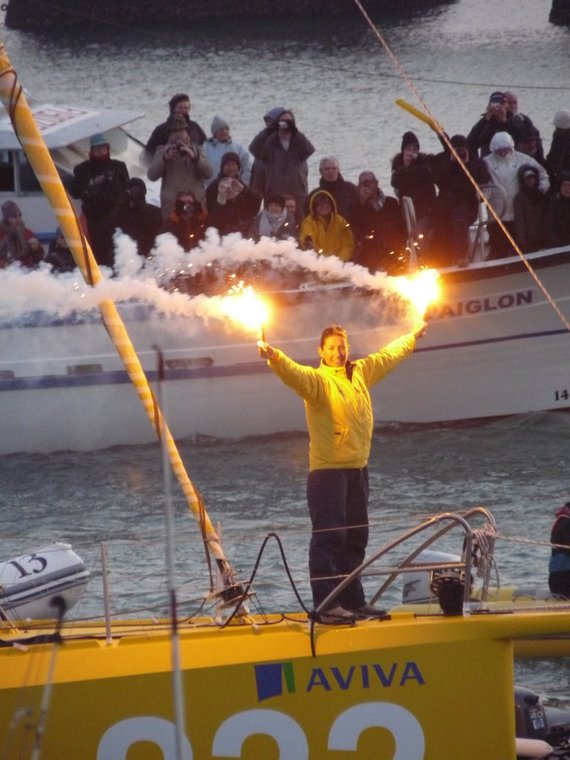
<point>436,126</point>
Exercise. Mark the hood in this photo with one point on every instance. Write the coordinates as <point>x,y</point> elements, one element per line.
<point>501,140</point>
<point>526,169</point>
<point>329,196</point>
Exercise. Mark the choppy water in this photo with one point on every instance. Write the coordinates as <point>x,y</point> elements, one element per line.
<point>342,88</point>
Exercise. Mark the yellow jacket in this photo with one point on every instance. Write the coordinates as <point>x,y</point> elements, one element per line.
<point>339,410</point>
<point>333,239</point>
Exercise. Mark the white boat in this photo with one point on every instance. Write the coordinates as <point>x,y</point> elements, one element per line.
<point>30,582</point>
<point>66,131</point>
<point>495,346</point>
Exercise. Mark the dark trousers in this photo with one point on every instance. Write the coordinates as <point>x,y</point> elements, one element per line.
<point>338,499</point>
<point>559,583</point>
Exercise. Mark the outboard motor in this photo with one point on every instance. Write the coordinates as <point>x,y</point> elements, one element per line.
<point>535,721</point>
<point>418,585</point>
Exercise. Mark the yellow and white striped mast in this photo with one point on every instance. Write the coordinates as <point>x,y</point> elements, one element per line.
<point>33,144</point>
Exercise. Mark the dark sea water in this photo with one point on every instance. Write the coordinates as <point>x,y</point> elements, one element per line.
<point>342,88</point>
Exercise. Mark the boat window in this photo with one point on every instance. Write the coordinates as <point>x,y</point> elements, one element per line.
<point>6,172</point>
<point>28,180</point>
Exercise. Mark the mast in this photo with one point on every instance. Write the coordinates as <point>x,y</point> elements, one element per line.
<point>13,98</point>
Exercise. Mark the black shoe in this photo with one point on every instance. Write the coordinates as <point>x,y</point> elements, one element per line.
<point>368,611</point>
<point>336,616</point>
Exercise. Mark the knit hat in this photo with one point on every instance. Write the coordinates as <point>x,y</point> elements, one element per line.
<point>218,123</point>
<point>562,120</point>
<point>459,141</point>
<point>229,156</point>
<point>497,97</point>
<point>98,139</point>
<point>274,113</point>
<point>176,123</point>
<point>527,170</point>
<point>501,140</point>
<point>409,139</point>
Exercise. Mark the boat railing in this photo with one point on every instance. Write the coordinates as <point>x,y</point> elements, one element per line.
<point>478,237</point>
<point>456,574</point>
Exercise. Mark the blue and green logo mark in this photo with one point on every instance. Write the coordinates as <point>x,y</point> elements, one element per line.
<point>272,680</point>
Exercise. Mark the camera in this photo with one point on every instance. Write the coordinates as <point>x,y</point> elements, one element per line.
<point>284,124</point>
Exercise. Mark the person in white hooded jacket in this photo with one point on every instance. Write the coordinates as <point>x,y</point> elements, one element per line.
<point>504,163</point>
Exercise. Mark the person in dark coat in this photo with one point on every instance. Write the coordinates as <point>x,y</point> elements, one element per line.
<point>495,119</point>
<point>411,177</point>
<point>178,104</point>
<point>457,201</point>
<point>232,206</point>
<point>530,208</point>
<point>377,226</point>
<point>141,220</point>
<point>344,192</point>
<point>558,213</point>
<point>283,152</point>
<point>558,158</point>
<point>522,127</point>
<point>187,222</point>
<point>559,565</point>
<point>59,254</point>
<point>102,184</point>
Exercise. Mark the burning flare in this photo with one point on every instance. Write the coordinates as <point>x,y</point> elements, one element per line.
<point>244,306</point>
<point>420,289</point>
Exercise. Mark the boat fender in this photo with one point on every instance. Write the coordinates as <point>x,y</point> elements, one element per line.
<point>532,748</point>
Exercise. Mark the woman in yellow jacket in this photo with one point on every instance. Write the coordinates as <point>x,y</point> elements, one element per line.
<point>340,422</point>
<point>324,230</point>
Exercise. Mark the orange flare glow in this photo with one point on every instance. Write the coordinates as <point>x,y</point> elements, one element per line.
<point>420,289</point>
<point>244,306</point>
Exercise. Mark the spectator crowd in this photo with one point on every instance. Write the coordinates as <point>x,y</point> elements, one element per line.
<point>263,191</point>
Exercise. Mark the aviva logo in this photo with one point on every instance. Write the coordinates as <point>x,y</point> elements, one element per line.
<point>271,680</point>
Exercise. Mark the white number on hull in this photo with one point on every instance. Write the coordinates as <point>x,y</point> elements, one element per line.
<point>118,739</point>
<point>407,732</point>
<point>288,734</point>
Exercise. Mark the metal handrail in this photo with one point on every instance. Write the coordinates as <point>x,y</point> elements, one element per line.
<point>452,520</point>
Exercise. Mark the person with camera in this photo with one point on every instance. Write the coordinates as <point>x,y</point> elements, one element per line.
<point>181,165</point>
<point>495,119</point>
<point>102,184</point>
<point>283,151</point>
<point>178,105</point>
<point>232,205</point>
<point>187,221</point>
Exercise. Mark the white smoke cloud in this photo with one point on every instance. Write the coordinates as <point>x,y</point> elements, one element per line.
<point>61,295</point>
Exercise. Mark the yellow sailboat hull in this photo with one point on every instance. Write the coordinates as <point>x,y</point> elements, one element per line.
<point>405,688</point>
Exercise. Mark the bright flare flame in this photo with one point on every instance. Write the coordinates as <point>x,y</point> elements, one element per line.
<point>244,306</point>
<point>421,289</point>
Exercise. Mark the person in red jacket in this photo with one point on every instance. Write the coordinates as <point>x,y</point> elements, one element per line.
<point>17,242</point>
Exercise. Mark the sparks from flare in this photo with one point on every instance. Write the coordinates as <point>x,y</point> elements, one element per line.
<point>420,289</point>
<point>244,306</point>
